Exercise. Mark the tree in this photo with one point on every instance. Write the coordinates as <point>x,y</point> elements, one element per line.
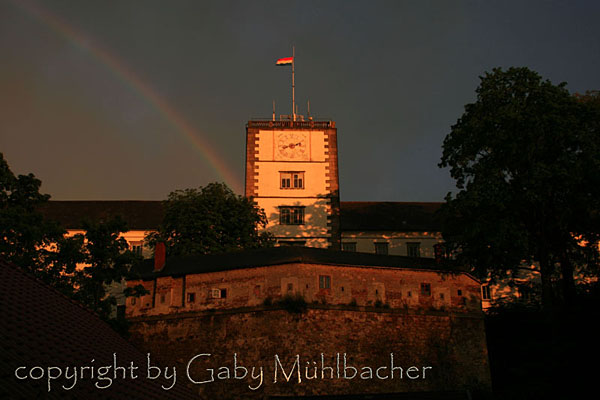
<point>80,266</point>
<point>211,219</point>
<point>525,158</point>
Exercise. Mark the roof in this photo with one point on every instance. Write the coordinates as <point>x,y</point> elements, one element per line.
<point>139,215</point>
<point>147,215</point>
<point>42,327</point>
<point>389,216</point>
<point>177,266</point>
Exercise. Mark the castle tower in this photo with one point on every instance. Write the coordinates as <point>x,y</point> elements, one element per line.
<point>292,173</point>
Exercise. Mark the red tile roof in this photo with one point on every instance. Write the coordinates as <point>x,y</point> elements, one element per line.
<point>41,327</point>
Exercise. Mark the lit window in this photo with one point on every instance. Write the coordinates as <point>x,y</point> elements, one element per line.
<point>324,282</point>
<point>292,180</point>
<point>381,248</point>
<point>349,246</point>
<point>485,292</point>
<point>425,289</point>
<point>291,215</point>
<point>413,249</point>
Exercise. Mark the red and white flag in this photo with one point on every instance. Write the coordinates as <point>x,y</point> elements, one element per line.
<point>285,61</point>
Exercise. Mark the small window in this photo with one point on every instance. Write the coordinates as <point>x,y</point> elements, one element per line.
<point>163,298</point>
<point>349,246</point>
<point>191,297</point>
<point>136,248</point>
<point>409,294</point>
<point>459,292</point>
<point>413,249</point>
<point>324,282</point>
<point>485,292</point>
<point>290,287</point>
<point>442,296</point>
<point>291,215</point>
<point>292,180</point>
<point>223,293</point>
<point>381,248</point>
<point>133,300</point>
<point>425,289</point>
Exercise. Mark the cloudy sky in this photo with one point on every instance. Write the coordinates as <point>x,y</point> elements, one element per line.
<point>134,99</point>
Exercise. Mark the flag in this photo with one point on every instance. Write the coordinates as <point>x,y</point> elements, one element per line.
<point>285,61</point>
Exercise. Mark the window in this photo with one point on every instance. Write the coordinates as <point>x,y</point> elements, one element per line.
<point>191,297</point>
<point>425,289</point>
<point>413,249</point>
<point>291,215</point>
<point>136,248</point>
<point>485,292</point>
<point>349,246</point>
<point>324,282</point>
<point>223,293</point>
<point>163,298</point>
<point>381,248</point>
<point>292,180</point>
<point>459,292</point>
<point>297,243</point>
<point>290,287</point>
<point>133,299</point>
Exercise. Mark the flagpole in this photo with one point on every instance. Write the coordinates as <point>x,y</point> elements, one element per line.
<point>293,85</point>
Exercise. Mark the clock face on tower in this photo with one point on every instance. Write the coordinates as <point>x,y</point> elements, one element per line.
<point>292,145</point>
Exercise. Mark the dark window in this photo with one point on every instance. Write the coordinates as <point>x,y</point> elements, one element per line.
<point>290,287</point>
<point>133,300</point>
<point>291,215</point>
<point>162,298</point>
<point>459,292</point>
<point>413,249</point>
<point>485,292</point>
<point>223,293</point>
<point>349,246</point>
<point>381,248</point>
<point>136,248</point>
<point>425,289</point>
<point>292,180</point>
<point>191,297</point>
<point>324,282</point>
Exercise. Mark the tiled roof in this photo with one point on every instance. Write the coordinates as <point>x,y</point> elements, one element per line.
<point>176,266</point>
<point>139,215</point>
<point>41,327</point>
<point>355,215</point>
<point>389,216</point>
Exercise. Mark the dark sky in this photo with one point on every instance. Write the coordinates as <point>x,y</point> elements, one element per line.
<point>134,99</point>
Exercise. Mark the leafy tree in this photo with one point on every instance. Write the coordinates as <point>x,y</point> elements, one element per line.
<point>211,219</point>
<point>80,266</point>
<point>525,157</point>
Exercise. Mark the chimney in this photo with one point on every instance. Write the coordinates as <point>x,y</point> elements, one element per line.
<point>160,256</point>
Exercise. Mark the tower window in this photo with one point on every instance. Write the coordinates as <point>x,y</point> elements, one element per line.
<point>485,292</point>
<point>292,180</point>
<point>291,215</point>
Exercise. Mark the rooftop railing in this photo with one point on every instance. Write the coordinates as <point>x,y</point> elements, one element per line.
<point>270,124</point>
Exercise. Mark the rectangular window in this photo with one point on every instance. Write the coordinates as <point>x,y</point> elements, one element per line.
<point>291,215</point>
<point>324,282</point>
<point>485,292</point>
<point>425,289</point>
<point>349,246</point>
<point>136,248</point>
<point>291,179</point>
<point>381,248</point>
<point>413,249</point>
<point>191,297</point>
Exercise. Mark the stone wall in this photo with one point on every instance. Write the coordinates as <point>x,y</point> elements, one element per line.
<point>448,351</point>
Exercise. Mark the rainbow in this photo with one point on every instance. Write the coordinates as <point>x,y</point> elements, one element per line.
<point>119,69</point>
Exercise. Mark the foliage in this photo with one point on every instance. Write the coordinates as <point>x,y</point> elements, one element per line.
<point>211,219</point>
<point>295,304</point>
<point>80,266</point>
<point>526,160</point>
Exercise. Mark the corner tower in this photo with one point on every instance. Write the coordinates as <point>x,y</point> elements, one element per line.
<point>292,173</point>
